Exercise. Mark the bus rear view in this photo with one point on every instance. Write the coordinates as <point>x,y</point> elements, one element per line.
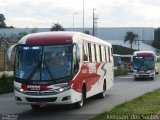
<point>143,64</point>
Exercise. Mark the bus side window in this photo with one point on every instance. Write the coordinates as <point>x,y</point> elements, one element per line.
<point>93,53</point>
<point>103,54</point>
<point>100,53</point>
<point>90,52</point>
<point>76,58</point>
<point>85,51</point>
<point>97,53</point>
<point>109,54</point>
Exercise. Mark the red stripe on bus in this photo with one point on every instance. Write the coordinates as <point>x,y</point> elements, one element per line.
<point>145,54</point>
<point>27,87</point>
<point>89,79</point>
<point>49,40</point>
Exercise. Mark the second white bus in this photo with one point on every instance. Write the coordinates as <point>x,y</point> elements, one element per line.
<point>144,64</point>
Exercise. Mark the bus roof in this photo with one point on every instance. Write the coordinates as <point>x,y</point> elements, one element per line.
<point>116,55</point>
<point>143,53</point>
<point>60,37</point>
<point>126,55</point>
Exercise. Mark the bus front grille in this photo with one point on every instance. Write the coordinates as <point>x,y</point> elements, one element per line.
<point>40,93</point>
<point>52,99</point>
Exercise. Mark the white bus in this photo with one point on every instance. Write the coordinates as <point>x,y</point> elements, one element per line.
<point>144,64</point>
<point>157,64</point>
<point>126,62</point>
<point>61,68</point>
<point>117,60</point>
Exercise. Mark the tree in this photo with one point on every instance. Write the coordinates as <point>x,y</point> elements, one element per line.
<point>34,30</point>
<point>21,34</point>
<point>156,42</point>
<point>57,27</point>
<point>87,32</point>
<point>2,23</point>
<point>130,36</point>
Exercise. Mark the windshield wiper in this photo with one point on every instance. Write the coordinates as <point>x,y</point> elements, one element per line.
<point>49,72</point>
<point>37,67</point>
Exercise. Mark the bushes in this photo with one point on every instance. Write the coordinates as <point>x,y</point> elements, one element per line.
<point>120,71</point>
<point>6,84</point>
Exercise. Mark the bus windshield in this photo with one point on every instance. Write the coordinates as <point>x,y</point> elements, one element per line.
<point>43,62</point>
<point>143,63</point>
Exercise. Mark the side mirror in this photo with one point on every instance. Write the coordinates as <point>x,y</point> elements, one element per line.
<point>156,59</point>
<point>9,52</point>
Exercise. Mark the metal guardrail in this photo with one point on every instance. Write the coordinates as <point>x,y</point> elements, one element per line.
<point>8,73</point>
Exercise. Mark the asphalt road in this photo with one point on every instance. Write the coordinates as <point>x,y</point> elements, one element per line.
<point>125,88</point>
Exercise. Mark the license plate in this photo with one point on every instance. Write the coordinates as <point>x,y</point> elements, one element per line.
<point>41,103</point>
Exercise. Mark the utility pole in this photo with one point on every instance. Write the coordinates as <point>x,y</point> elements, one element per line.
<point>73,19</point>
<point>138,43</point>
<point>95,17</point>
<point>93,23</point>
<point>83,15</point>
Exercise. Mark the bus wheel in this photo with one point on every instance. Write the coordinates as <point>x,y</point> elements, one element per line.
<point>80,104</point>
<point>103,93</point>
<point>35,107</point>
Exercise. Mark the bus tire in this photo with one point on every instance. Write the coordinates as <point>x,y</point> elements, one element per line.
<point>80,104</point>
<point>103,93</point>
<point>35,107</point>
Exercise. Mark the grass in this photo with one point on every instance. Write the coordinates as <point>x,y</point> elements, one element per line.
<point>6,84</point>
<point>142,107</point>
<point>119,72</point>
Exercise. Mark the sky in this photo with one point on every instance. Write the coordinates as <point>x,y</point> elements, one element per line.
<point>110,13</point>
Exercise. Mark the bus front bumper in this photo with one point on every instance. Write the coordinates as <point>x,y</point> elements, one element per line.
<point>149,75</point>
<point>67,97</point>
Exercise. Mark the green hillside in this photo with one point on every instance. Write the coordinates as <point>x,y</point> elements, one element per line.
<point>117,49</point>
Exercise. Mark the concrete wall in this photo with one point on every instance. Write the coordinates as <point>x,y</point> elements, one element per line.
<point>144,33</point>
<point>119,33</point>
<point>11,31</point>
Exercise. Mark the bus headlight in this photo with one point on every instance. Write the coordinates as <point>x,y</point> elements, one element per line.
<point>134,71</point>
<point>63,89</point>
<point>150,71</point>
<point>21,90</point>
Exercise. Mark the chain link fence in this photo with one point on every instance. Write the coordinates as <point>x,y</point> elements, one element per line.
<point>5,43</point>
